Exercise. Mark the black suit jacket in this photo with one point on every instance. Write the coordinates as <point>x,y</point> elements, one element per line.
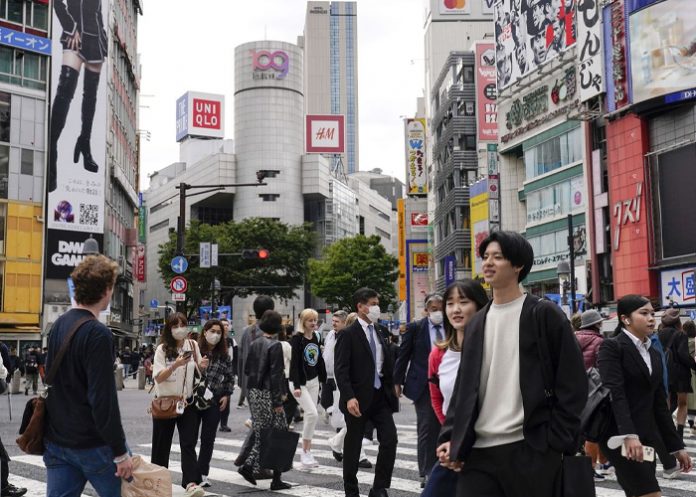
<point>544,427</point>
<point>637,396</point>
<point>413,355</point>
<point>354,369</point>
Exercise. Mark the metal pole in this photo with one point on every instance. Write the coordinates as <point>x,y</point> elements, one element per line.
<point>571,248</point>
<point>181,233</point>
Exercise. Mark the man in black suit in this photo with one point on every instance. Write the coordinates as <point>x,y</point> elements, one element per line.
<point>501,431</point>
<point>364,375</point>
<point>416,345</point>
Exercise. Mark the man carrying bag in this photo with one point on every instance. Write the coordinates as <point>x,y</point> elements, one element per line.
<point>84,438</point>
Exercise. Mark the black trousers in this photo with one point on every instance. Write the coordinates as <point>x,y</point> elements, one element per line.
<point>428,428</point>
<point>511,470</point>
<point>208,422</point>
<point>162,434</point>
<point>381,415</point>
<point>225,415</point>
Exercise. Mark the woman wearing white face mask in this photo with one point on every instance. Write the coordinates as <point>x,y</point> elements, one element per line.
<point>173,370</point>
<point>220,376</point>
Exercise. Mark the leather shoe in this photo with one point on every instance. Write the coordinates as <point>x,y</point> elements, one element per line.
<point>225,429</point>
<point>378,492</point>
<point>280,485</point>
<point>264,474</point>
<point>12,491</point>
<point>364,464</point>
<point>247,473</point>
<point>338,456</point>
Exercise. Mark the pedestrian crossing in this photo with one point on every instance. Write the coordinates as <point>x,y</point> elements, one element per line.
<point>326,480</point>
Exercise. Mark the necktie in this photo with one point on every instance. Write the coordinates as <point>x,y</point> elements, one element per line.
<point>373,345</point>
<point>438,335</point>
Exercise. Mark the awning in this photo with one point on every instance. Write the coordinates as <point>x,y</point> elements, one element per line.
<point>118,332</point>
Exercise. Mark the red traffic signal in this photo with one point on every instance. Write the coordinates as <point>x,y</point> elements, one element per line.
<point>255,254</point>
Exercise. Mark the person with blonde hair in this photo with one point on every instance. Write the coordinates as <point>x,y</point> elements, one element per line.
<point>307,370</point>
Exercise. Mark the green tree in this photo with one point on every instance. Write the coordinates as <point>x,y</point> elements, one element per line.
<point>352,263</point>
<point>279,276</point>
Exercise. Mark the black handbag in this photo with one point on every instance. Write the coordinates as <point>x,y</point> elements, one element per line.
<point>326,396</point>
<point>597,414</point>
<point>278,449</point>
<point>577,475</point>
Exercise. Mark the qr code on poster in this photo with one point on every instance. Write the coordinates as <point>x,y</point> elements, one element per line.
<point>89,214</point>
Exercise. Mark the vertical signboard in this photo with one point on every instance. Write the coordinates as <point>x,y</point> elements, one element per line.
<point>479,222</point>
<point>418,282</point>
<point>415,157</point>
<point>591,68</point>
<point>401,214</point>
<point>140,261</point>
<point>615,55</point>
<point>487,93</point>
<point>77,145</point>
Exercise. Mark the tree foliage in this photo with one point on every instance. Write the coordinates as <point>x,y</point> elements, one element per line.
<point>279,276</point>
<point>352,263</point>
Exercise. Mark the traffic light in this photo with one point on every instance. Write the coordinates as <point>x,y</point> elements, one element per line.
<point>255,254</point>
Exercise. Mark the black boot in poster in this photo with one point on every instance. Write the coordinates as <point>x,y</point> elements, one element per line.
<point>59,113</point>
<point>89,105</point>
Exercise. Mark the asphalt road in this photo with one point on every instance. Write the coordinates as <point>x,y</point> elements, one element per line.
<point>325,481</point>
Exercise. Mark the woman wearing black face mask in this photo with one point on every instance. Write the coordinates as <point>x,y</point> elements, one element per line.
<point>174,366</point>
<point>220,381</point>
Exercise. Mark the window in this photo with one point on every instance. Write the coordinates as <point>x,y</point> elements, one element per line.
<point>160,225</point>
<point>12,10</point>
<point>4,169</point>
<point>27,166</point>
<point>554,200</point>
<point>3,219</point>
<point>22,68</point>
<point>468,74</point>
<point>5,114</point>
<point>469,142</point>
<point>269,197</point>
<point>553,153</point>
<point>37,15</point>
<point>383,234</point>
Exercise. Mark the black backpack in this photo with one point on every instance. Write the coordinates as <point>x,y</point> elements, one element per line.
<point>596,416</point>
<point>31,364</point>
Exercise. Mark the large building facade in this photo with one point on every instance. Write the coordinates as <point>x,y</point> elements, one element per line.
<point>330,45</point>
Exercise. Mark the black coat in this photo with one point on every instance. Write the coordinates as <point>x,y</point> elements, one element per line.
<point>413,356</point>
<point>86,17</point>
<point>637,397</point>
<point>543,427</point>
<point>265,368</point>
<point>354,369</point>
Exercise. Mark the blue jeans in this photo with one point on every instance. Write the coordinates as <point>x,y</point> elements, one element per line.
<point>70,469</point>
<point>126,370</point>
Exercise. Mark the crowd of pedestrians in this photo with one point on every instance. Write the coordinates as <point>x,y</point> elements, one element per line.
<point>498,385</point>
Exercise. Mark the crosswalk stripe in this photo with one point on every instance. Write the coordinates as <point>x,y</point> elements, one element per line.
<point>35,488</point>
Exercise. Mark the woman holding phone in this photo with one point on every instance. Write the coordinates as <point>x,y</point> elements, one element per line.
<point>174,366</point>
<point>220,381</point>
<point>632,371</point>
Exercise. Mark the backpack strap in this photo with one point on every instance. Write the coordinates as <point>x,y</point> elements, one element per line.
<point>64,348</point>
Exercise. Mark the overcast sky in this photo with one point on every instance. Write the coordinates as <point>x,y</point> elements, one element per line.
<point>187,45</point>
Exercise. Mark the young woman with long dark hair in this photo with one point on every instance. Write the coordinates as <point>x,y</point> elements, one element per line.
<point>174,367</point>
<point>632,370</point>
<point>220,381</point>
<point>462,299</point>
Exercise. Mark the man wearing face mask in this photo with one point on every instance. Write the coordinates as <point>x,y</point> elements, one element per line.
<point>411,372</point>
<point>367,394</point>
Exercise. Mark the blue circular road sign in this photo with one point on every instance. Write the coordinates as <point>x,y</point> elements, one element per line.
<point>154,303</point>
<point>179,264</point>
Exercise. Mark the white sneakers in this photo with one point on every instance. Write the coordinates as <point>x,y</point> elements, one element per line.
<point>334,446</point>
<point>307,461</point>
<point>194,490</point>
<point>670,474</point>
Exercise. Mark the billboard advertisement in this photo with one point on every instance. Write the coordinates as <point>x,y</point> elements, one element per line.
<point>663,51</point>
<point>529,34</point>
<point>479,222</point>
<point>64,251</point>
<point>325,134</point>
<point>487,93</point>
<point>77,148</point>
<point>401,214</point>
<point>467,9</point>
<point>416,176</point>
<point>677,287</point>
<point>200,115</point>
<point>591,68</point>
<point>417,280</point>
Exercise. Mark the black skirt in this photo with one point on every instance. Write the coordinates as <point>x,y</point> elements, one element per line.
<point>93,47</point>
<point>635,478</point>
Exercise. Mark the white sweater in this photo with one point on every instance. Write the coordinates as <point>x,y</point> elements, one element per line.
<point>501,413</point>
<point>174,385</point>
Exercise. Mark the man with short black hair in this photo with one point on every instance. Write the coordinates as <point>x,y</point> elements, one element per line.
<point>367,394</point>
<point>416,344</point>
<point>85,441</point>
<point>513,447</point>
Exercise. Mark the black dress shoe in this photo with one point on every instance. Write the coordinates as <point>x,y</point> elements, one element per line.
<point>12,491</point>
<point>247,473</point>
<point>338,456</point>
<point>378,492</point>
<point>364,464</point>
<point>422,481</point>
<point>225,429</point>
<point>280,485</point>
<point>263,474</point>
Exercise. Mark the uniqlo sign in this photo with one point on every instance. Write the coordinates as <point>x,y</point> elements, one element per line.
<point>200,115</point>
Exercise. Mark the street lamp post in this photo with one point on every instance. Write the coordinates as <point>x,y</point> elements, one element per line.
<point>181,222</point>
<point>563,271</point>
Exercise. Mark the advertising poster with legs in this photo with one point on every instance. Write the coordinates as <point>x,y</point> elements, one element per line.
<point>529,33</point>
<point>77,142</point>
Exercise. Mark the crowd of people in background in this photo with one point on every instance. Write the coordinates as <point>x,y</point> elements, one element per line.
<point>455,365</point>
